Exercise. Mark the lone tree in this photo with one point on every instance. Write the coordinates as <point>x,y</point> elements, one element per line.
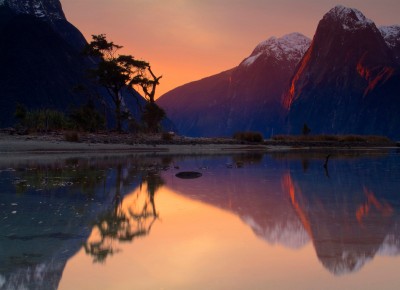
<point>115,72</point>
<point>147,81</point>
<point>306,130</point>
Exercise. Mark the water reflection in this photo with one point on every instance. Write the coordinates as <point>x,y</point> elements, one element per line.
<point>351,216</point>
<point>51,209</point>
<point>125,223</point>
<point>350,213</point>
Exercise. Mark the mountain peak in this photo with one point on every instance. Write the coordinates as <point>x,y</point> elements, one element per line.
<point>350,18</point>
<point>48,10</point>
<point>391,34</point>
<point>291,46</point>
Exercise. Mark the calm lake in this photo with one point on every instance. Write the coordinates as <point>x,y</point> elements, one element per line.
<point>251,221</point>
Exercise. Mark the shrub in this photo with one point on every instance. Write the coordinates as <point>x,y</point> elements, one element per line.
<point>332,138</point>
<point>87,118</point>
<point>352,138</point>
<point>255,137</point>
<point>167,136</point>
<point>45,120</point>
<point>71,136</point>
<point>378,139</point>
<point>152,117</point>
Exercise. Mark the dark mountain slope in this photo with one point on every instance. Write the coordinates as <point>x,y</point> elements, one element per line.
<point>347,82</point>
<point>391,34</point>
<point>248,97</point>
<point>38,67</point>
<point>42,62</point>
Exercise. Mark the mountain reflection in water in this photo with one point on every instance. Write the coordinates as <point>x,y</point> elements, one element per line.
<point>350,215</point>
<point>51,209</point>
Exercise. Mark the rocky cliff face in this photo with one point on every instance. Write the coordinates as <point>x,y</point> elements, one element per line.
<point>247,97</point>
<point>347,82</point>
<point>391,34</point>
<point>39,68</point>
<point>51,12</point>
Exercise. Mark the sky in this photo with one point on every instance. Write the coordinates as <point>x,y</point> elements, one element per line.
<point>186,40</point>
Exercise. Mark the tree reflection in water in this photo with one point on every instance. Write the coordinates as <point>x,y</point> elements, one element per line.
<point>126,221</point>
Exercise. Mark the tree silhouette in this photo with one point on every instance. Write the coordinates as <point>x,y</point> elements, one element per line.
<point>114,72</point>
<point>306,130</point>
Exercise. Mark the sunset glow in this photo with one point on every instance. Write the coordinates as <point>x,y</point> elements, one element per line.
<point>189,40</point>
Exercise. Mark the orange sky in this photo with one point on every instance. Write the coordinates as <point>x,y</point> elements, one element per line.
<point>186,40</point>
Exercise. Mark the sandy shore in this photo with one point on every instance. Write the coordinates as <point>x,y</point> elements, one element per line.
<point>13,145</point>
<point>16,146</point>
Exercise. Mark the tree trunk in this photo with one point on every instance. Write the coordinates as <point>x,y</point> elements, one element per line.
<point>118,116</point>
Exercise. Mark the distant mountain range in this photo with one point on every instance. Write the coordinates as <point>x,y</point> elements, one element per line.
<point>345,81</point>
<point>247,97</point>
<point>42,62</point>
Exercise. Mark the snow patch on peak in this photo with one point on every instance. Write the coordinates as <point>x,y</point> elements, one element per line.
<point>49,10</point>
<point>391,34</point>
<point>291,47</point>
<point>350,18</point>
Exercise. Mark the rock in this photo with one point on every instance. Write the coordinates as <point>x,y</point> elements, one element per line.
<point>188,175</point>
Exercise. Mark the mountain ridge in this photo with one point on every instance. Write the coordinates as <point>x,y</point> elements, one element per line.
<point>351,65</point>
<point>224,100</point>
<point>344,83</point>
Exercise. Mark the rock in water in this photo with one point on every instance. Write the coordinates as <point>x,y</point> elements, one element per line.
<point>188,175</point>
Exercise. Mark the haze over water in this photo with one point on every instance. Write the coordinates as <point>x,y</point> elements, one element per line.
<point>252,221</point>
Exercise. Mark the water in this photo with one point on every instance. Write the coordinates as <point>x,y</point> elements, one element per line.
<point>251,221</point>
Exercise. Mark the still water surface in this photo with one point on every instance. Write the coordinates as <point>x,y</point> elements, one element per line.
<point>275,221</point>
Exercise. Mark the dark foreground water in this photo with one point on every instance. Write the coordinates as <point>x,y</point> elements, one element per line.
<point>275,221</point>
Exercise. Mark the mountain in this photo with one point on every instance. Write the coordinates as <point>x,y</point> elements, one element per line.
<point>42,61</point>
<point>49,11</point>
<point>391,34</point>
<point>247,97</point>
<point>348,80</point>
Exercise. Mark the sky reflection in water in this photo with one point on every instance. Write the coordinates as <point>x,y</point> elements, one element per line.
<point>250,222</point>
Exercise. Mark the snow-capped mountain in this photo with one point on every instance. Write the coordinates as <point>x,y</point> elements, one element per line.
<point>349,18</point>
<point>290,47</point>
<point>391,34</point>
<point>46,9</point>
<point>247,97</point>
<point>347,82</point>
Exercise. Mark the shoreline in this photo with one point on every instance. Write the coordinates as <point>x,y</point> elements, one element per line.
<point>126,144</point>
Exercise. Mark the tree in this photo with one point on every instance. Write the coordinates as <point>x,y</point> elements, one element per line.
<point>87,118</point>
<point>306,130</point>
<point>148,82</point>
<point>152,116</point>
<point>115,72</point>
